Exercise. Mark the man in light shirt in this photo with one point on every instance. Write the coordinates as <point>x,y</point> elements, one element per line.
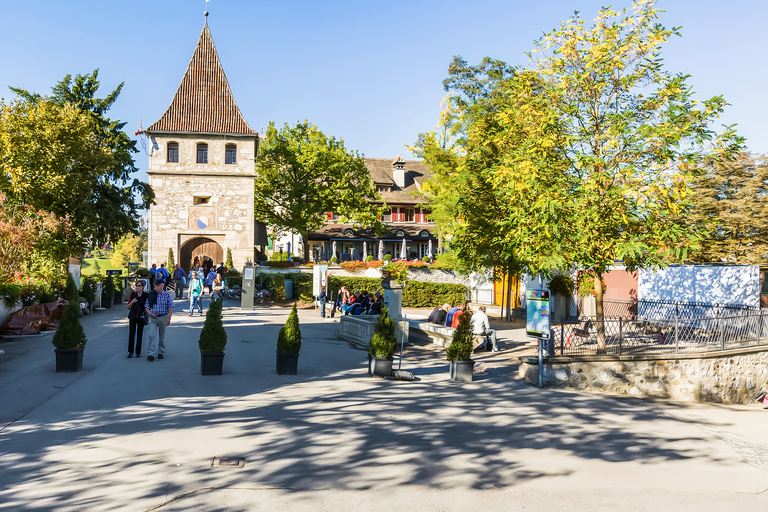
<point>481,327</point>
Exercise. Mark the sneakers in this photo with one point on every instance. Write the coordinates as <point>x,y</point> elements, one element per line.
<point>159,356</point>
<point>150,358</point>
<point>480,347</point>
<point>130,355</point>
<point>495,349</point>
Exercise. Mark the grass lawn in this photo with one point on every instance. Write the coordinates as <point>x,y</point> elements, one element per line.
<point>104,263</point>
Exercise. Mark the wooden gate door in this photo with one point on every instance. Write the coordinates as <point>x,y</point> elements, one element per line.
<point>203,248</point>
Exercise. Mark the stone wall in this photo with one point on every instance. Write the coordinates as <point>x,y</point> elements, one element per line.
<point>735,376</point>
<point>226,217</point>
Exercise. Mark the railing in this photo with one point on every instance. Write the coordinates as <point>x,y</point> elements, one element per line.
<point>663,328</point>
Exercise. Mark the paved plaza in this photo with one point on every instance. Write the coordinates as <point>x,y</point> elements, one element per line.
<point>132,435</point>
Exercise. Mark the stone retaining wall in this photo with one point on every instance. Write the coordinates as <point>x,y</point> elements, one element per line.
<point>735,376</point>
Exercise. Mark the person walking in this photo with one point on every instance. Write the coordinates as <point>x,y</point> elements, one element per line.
<point>137,301</point>
<point>481,327</point>
<point>160,310</point>
<point>179,280</point>
<point>323,300</point>
<point>195,294</point>
<point>209,281</point>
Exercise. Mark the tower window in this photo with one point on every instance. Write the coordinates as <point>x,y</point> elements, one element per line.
<point>202,153</point>
<point>201,200</point>
<point>231,154</point>
<point>173,152</point>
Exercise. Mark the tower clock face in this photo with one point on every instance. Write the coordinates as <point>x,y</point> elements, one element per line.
<point>202,217</point>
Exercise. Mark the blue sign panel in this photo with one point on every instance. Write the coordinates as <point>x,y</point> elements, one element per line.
<point>537,318</point>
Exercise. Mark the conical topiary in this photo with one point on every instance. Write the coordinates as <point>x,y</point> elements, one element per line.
<point>228,263</point>
<point>108,288</point>
<point>213,336</point>
<point>171,262</point>
<point>460,348</point>
<point>384,341</point>
<point>72,293</point>
<point>289,337</point>
<point>70,333</point>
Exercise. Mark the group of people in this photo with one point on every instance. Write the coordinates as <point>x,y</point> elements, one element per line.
<point>449,317</point>
<point>357,303</point>
<point>157,306</point>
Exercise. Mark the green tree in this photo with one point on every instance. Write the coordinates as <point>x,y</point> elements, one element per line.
<point>171,264</point>
<point>127,249</point>
<point>730,205</point>
<point>94,187</point>
<point>229,263</point>
<point>213,336</point>
<point>302,174</point>
<point>384,340</point>
<point>96,267</point>
<point>615,144</point>
<point>460,348</point>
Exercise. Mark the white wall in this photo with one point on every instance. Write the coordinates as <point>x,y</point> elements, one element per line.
<point>733,284</point>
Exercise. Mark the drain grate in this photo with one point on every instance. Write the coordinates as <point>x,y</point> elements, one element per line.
<point>228,462</point>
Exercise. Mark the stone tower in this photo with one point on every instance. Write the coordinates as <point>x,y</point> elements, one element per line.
<point>201,168</point>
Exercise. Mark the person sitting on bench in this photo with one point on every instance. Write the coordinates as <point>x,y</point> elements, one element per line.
<point>481,327</point>
<point>438,314</point>
<point>449,316</point>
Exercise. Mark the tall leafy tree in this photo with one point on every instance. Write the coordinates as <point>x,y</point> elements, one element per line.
<point>127,249</point>
<point>602,145</point>
<point>302,174</point>
<point>730,205</point>
<point>97,192</point>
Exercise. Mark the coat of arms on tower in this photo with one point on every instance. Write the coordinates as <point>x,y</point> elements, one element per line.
<point>202,217</point>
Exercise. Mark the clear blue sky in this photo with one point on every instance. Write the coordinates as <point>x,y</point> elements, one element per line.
<point>367,72</point>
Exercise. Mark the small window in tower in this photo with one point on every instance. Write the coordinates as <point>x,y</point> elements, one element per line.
<point>231,156</point>
<point>173,152</point>
<point>202,153</point>
<point>202,199</point>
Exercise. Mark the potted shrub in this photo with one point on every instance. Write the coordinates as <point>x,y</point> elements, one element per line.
<point>88,293</point>
<point>118,283</point>
<point>69,339</point>
<point>107,292</point>
<point>288,345</point>
<point>383,346</point>
<point>460,351</point>
<point>213,339</point>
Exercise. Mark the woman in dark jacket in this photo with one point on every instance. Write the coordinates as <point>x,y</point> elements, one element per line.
<point>136,304</point>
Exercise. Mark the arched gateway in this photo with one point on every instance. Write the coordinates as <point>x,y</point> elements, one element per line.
<point>203,248</point>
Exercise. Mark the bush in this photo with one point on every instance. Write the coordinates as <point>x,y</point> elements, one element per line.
<point>10,294</point>
<point>228,263</point>
<point>460,348</point>
<point>424,294</point>
<point>70,334</point>
<point>561,284</point>
<point>302,286</point>
<point>213,336</point>
<point>108,288</point>
<point>334,259</point>
<point>289,337</point>
<point>171,263</point>
<point>387,257</point>
<point>280,264</point>
<point>143,272</point>
<point>383,342</point>
<point>426,259</point>
<point>117,281</point>
<point>87,284</point>
<point>369,258</point>
<point>369,284</point>
<point>275,283</point>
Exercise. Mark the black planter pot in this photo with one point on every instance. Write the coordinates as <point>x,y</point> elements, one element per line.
<point>69,360</point>
<point>118,298</point>
<point>381,366</point>
<point>461,371</point>
<point>286,364</point>
<point>106,303</point>
<point>211,363</point>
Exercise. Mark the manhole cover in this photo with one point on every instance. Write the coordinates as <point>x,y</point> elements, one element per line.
<point>228,462</point>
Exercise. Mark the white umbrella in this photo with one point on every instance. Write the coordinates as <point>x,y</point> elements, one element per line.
<point>429,249</point>
<point>381,250</point>
<point>333,251</point>
<point>365,251</point>
<point>402,250</point>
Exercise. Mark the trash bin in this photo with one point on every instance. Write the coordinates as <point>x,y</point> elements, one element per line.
<point>288,289</point>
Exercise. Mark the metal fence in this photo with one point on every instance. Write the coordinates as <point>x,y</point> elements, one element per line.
<point>657,327</point>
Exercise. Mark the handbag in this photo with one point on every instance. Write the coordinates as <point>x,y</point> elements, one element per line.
<point>144,318</point>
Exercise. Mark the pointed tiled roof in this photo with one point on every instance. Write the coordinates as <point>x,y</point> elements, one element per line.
<point>203,102</point>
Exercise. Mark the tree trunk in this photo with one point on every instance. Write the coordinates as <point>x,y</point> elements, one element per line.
<point>509,295</point>
<point>305,246</point>
<point>600,325</point>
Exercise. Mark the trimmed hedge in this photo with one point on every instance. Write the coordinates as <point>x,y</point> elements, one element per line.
<point>275,283</point>
<point>302,285</point>
<point>417,294</point>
